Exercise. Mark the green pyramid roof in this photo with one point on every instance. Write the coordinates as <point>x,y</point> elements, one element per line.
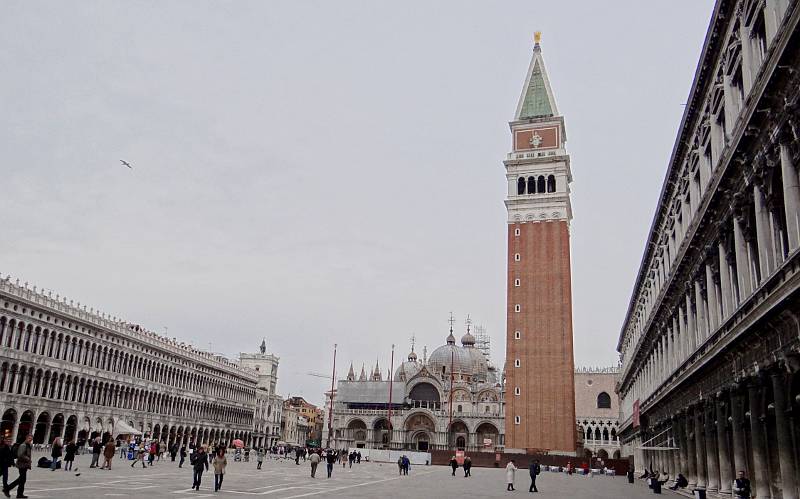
<point>537,102</point>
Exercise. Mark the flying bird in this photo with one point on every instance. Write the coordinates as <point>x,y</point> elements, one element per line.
<point>126,164</point>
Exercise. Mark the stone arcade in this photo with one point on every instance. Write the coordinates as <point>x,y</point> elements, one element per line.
<point>710,352</point>
<point>71,372</point>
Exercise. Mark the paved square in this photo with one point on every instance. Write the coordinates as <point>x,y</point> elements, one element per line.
<point>284,479</point>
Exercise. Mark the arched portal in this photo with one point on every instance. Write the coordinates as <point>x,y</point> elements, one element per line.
<point>487,436</point>
<point>40,431</point>
<point>70,432</point>
<point>381,433</point>
<point>458,435</point>
<point>421,430</point>
<point>25,426</point>
<point>8,422</point>
<point>56,428</point>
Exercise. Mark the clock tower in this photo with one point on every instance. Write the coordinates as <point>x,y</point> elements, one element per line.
<point>539,387</point>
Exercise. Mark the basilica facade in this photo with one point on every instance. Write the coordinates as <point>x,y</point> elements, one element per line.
<point>451,400</point>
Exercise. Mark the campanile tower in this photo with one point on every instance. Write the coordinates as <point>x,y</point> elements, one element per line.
<point>540,392</point>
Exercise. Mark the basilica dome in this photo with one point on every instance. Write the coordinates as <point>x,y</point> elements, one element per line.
<point>408,369</point>
<point>442,358</point>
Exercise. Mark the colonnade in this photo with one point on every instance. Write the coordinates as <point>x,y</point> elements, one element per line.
<point>749,428</point>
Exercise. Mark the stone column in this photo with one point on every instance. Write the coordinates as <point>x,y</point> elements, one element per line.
<point>727,297</point>
<point>737,432</point>
<point>713,305</point>
<point>784,438</point>
<point>760,472</point>
<point>712,458</point>
<point>766,250</point>
<point>691,331</point>
<point>742,259</point>
<point>725,472</point>
<point>791,196</point>
<point>691,453</point>
<point>702,325</point>
<point>699,447</point>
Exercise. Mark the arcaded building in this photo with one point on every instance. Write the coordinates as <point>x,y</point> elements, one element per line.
<point>597,411</point>
<point>710,345</point>
<point>69,371</point>
<point>539,366</point>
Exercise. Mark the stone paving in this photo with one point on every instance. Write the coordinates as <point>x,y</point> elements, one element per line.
<point>283,479</point>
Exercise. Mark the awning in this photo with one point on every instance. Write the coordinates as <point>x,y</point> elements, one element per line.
<point>123,428</point>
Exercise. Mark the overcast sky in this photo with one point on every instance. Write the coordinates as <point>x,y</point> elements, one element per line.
<point>320,172</point>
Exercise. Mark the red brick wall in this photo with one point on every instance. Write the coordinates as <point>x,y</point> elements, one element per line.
<point>546,404</point>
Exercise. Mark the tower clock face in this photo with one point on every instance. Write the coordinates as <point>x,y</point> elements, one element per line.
<point>536,138</point>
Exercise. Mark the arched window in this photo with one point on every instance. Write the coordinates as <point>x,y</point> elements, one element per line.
<point>540,184</point>
<point>520,186</point>
<point>531,185</point>
<point>597,433</point>
<point>603,401</point>
<point>551,183</point>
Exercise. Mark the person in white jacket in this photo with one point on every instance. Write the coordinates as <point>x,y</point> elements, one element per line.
<point>511,469</point>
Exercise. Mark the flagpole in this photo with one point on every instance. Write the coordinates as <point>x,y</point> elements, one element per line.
<point>330,412</point>
<point>391,370</point>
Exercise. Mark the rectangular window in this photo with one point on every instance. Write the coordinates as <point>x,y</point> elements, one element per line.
<point>517,363</point>
<point>517,420</point>
<point>517,391</point>
<point>517,308</point>
<point>517,257</point>
<point>517,282</point>
<point>517,335</point>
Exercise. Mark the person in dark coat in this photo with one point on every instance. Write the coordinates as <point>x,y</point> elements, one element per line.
<point>6,459</point>
<point>467,466</point>
<point>56,451</point>
<point>199,461</point>
<point>183,457</point>
<point>23,465</point>
<point>69,455</point>
<point>534,469</point>
<point>741,487</point>
<point>330,460</point>
<point>454,464</point>
<point>97,448</point>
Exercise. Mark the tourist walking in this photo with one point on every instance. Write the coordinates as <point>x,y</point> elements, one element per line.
<point>23,465</point>
<point>6,459</point>
<point>511,469</point>
<point>108,453</point>
<point>260,458</point>
<point>400,465</point>
<point>199,461</point>
<point>153,453</point>
<point>139,457</point>
<point>314,463</point>
<point>56,451</point>
<point>69,455</point>
<point>97,448</point>
<point>741,486</point>
<point>406,464</point>
<point>330,460</point>
<point>220,462</point>
<point>454,465</point>
<point>183,456</point>
<point>534,469</point>
<point>467,466</point>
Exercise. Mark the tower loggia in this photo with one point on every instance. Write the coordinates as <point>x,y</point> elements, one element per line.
<point>540,392</point>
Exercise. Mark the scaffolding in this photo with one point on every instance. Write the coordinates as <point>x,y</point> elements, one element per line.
<point>482,341</point>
